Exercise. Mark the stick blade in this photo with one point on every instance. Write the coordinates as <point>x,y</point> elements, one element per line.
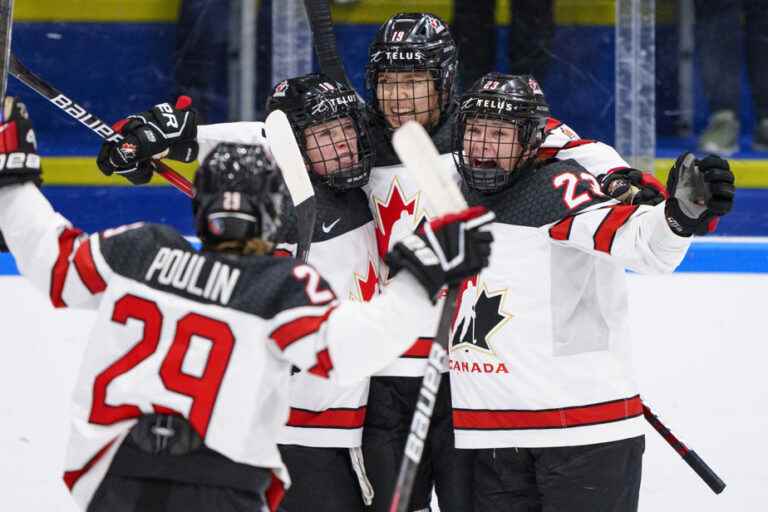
<point>418,153</point>
<point>285,149</point>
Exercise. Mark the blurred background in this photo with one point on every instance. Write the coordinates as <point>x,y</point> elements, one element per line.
<point>653,78</point>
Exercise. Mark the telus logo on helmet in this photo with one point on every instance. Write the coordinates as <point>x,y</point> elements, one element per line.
<point>396,55</point>
<point>333,103</point>
<point>414,446</point>
<point>79,113</point>
<point>486,104</point>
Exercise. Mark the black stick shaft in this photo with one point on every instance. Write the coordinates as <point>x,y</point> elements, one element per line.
<point>319,13</point>
<point>422,416</point>
<point>689,456</point>
<point>96,125</point>
<point>6,29</point>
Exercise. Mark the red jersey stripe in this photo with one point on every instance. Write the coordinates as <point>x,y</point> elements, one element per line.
<point>420,348</point>
<point>71,477</point>
<point>329,418</point>
<point>86,269</point>
<point>583,415</point>
<point>293,331</point>
<point>561,230</point>
<point>576,143</point>
<point>275,493</point>
<point>61,267</point>
<point>606,232</point>
<point>552,123</point>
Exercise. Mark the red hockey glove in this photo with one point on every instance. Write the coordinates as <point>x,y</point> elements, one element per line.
<point>446,251</point>
<point>163,132</point>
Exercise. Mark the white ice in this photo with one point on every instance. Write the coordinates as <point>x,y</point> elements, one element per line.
<point>700,351</point>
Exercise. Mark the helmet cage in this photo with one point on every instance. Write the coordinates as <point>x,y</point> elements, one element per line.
<point>315,99</point>
<point>424,44</point>
<point>519,153</point>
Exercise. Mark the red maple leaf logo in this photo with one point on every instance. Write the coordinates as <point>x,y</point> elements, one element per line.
<point>367,286</point>
<point>389,212</point>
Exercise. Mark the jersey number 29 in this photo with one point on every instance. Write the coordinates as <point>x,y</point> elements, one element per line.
<point>203,390</point>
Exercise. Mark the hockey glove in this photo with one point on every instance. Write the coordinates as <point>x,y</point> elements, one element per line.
<point>446,250</point>
<point>19,161</point>
<point>631,186</point>
<point>163,132</point>
<point>700,191</point>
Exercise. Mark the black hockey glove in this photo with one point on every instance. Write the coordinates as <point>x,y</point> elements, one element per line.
<point>19,161</point>
<point>163,132</point>
<point>446,250</point>
<point>700,191</point>
<point>631,186</point>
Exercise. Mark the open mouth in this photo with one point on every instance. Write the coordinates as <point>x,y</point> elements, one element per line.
<point>483,163</point>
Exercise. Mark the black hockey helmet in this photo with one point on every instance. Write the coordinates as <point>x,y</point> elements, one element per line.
<point>316,99</point>
<point>239,195</point>
<point>414,42</point>
<point>486,157</point>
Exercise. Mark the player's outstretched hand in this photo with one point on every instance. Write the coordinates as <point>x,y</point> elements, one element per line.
<point>700,191</point>
<point>631,186</point>
<point>19,161</point>
<point>446,250</point>
<point>165,131</point>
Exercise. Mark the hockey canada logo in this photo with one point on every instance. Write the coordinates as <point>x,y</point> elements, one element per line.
<point>535,87</point>
<point>366,286</point>
<point>280,89</point>
<point>479,315</point>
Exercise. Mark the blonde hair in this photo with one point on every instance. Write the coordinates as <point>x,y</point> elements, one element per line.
<point>253,246</point>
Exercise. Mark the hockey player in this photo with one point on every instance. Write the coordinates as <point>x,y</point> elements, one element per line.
<point>410,75</point>
<point>322,439</point>
<point>182,391</point>
<point>321,443</point>
<point>540,371</point>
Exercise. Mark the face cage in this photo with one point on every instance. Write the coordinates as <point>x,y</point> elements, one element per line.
<point>493,179</point>
<point>338,175</point>
<point>418,102</point>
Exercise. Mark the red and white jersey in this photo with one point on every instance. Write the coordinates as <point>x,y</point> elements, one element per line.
<point>323,413</point>
<point>562,143</point>
<point>540,341</point>
<point>343,249</point>
<point>204,335</point>
<point>398,207</point>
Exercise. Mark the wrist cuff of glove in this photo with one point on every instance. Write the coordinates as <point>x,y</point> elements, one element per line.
<point>678,222</point>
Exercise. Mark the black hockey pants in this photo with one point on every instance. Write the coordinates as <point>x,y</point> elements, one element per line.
<point>391,403</point>
<point>601,477</point>
<point>175,472</point>
<point>322,480</point>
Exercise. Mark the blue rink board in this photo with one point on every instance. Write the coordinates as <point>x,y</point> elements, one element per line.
<point>710,257</point>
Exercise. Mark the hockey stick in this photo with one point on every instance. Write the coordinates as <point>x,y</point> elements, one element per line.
<point>689,456</point>
<point>417,151</point>
<point>324,40</point>
<point>282,143</point>
<point>6,26</point>
<point>103,130</point>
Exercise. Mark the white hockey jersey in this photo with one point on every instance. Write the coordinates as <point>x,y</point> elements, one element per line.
<point>398,207</point>
<point>540,339</point>
<point>323,413</point>
<point>204,335</point>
